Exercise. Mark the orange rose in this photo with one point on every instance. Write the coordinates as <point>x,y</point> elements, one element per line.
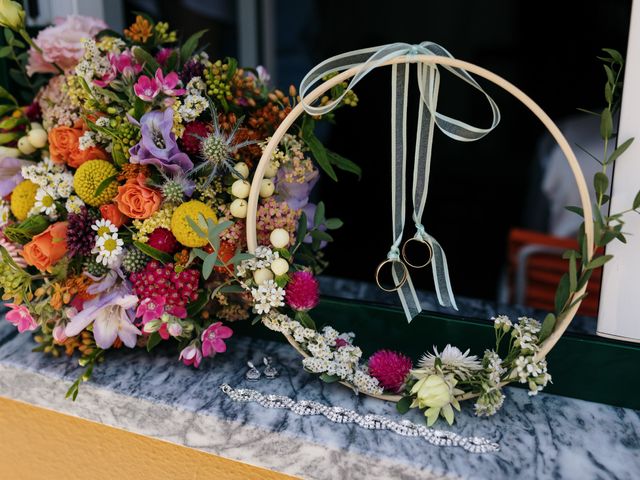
<point>62,142</point>
<point>46,248</point>
<point>78,157</point>
<point>110,212</point>
<point>136,200</point>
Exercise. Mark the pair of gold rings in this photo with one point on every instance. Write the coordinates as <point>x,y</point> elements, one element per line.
<point>403,263</point>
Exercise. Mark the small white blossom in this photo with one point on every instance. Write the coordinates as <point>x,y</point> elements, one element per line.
<point>46,203</point>
<point>73,204</point>
<point>103,228</point>
<point>87,140</point>
<point>4,213</point>
<point>109,249</point>
<point>266,296</point>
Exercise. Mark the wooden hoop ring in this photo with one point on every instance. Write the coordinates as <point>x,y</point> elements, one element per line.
<point>561,323</point>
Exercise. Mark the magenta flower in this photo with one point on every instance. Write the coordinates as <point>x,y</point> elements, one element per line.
<point>146,88</point>
<point>302,291</point>
<point>212,339</point>
<point>191,354</point>
<point>120,64</point>
<point>169,83</point>
<point>20,317</point>
<point>151,308</point>
<point>390,369</point>
<point>162,57</point>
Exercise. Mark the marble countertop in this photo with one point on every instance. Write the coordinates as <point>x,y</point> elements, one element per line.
<point>154,395</point>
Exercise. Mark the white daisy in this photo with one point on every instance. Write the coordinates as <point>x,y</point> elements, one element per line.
<point>73,204</point>
<point>109,249</point>
<point>45,202</point>
<point>453,361</point>
<point>4,213</point>
<point>103,228</point>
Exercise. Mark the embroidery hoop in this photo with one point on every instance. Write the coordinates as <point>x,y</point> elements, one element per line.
<point>562,323</point>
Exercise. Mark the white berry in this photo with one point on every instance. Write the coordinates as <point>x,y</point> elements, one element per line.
<point>279,238</point>
<point>37,138</point>
<point>238,208</point>
<point>242,169</point>
<point>262,275</point>
<point>240,188</point>
<point>271,170</point>
<point>279,266</point>
<point>36,126</point>
<point>24,145</point>
<point>267,188</point>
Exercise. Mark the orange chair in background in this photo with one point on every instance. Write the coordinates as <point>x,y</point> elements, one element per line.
<point>536,266</point>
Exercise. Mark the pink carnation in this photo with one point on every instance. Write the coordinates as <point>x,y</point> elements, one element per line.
<point>302,291</point>
<point>20,317</point>
<point>61,43</point>
<point>390,369</point>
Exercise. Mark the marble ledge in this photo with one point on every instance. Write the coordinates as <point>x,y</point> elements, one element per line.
<point>543,437</point>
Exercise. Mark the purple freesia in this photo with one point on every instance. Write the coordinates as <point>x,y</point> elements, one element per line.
<point>158,145</point>
<point>112,316</point>
<point>10,175</point>
<point>296,194</point>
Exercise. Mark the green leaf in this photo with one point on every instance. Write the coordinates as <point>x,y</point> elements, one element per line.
<point>190,45</point>
<point>302,228</point>
<point>4,93</point>
<point>600,183</point>
<point>8,137</point>
<point>573,274</point>
<point>193,308</point>
<point>5,51</point>
<point>547,326</point>
<point>403,405</point>
<point>154,339</point>
<point>611,76</point>
<point>576,210</point>
<point>615,55</point>
<point>333,223</point>
<point>9,36</point>
<point>606,124</point>
<point>145,58</point>
<point>308,126</point>
<point>196,228</point>
<point>153,252</point>
<point>12,122</point>
<point>344,164</point>
<point>318,217</point>
<point>320,154</point>
<point>598,261</point>
<point>240,257</point>
<point>305,320</point>
<point>322,236</point>
<point>636,201</point>
<point>325,377</point>
<point>231,289</point>
<point>619,151</point>
<point>562,293</point>
<point>208,264</point>
<point>608,92</point>
<point>105,183</point>
<point>4,109</point>
<point>584,278</point>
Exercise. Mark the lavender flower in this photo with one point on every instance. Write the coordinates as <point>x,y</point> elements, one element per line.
<point>158,145</point>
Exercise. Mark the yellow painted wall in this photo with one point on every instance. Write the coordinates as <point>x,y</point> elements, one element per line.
<point>37,444</point>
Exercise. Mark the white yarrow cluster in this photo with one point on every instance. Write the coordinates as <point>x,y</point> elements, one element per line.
<point>266,296</point>
<point>194,102</point>
<point>263,258</point>
<point>532,372</point>
<point>51,177</point>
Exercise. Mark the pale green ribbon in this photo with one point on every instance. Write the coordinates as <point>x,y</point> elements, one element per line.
<point>428,77</point>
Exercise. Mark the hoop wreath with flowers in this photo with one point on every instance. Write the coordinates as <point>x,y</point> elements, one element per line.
<point>442,378</point>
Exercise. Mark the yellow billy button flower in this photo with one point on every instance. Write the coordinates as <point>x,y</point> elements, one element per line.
<point>180,226</point>
<point>23,198</point>
<point>437,394</point>
<point>11,15</point>
<point>88,178</point>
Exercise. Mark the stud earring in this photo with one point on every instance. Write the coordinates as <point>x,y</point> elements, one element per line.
<point>270,372</point>
<point>253,374</point>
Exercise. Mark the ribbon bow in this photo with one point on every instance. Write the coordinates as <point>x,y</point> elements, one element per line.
<point>428,77</point>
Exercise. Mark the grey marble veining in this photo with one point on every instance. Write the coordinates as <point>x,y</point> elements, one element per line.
<point>543,437</point>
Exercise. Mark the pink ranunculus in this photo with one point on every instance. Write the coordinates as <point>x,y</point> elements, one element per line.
<point>20,317</point>
<point>146,88</point>
<point>151,308</point>
<point>212,339</point>
<point>169,83</point>
<point>191,354</point>
<point>62,43</point>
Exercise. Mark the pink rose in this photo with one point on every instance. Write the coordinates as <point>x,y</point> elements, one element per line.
<point>62,43</point>
<point>20,317</point>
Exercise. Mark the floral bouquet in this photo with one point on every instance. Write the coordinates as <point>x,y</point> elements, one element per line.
<point>124,175</point>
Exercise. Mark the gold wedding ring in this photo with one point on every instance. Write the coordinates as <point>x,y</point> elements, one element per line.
<point>405,274</point>
<point>404,254</point>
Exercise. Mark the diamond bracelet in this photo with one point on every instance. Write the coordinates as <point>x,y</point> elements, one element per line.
<point>440,438</point>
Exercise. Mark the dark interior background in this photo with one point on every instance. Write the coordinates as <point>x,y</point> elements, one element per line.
<point>478,191</point>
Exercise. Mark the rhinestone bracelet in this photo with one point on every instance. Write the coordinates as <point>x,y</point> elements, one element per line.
<point>405,428</point>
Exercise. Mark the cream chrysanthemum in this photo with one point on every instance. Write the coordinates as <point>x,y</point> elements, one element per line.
<point>452,360</point>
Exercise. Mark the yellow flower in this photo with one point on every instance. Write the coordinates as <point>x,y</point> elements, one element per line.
<point>89,177</point>
<point>140,31</point>
<point>23,198</point>
<point>180,226</point>
<point>437,395</point>
<point>11,15</point>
